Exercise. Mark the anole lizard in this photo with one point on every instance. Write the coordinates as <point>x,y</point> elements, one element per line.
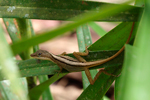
<point>79,64</point>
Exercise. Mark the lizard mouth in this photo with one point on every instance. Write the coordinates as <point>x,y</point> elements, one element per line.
<point>36,57</point>
<point>33,55</point>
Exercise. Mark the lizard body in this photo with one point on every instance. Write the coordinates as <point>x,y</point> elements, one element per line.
<point>68,63</point>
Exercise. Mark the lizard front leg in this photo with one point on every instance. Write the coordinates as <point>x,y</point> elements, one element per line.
<point>79,54</point>
<point>63,54</point>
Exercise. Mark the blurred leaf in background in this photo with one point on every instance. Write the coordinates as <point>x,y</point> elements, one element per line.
<point>78,13</point>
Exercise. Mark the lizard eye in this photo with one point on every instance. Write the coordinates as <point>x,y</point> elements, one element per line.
<point>39,54</point>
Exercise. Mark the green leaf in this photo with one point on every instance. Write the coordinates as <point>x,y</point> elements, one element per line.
<point>25,32</point>
<point>114,39</point>
<point>9,69</point>
<point>6,93</point>
<point>46,95</point>
<point>12,30</point>
<point>121,81</point>
<point>60,10</point>
<point>66,10</point>
<point>100,31</point>
<point>136,67</point>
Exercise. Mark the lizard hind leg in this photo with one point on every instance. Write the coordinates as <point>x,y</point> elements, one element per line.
<point>63,54</point>
<point>88,74</point>
<point>58,72</point>
<point>102,70</point>
<point>105,72</point>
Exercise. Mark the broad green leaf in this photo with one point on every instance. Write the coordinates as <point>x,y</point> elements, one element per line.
<point>59,10</point>
<point>119,83</point>
<point>136,67</point>
<point>131,81</point>
<point>114,39</point>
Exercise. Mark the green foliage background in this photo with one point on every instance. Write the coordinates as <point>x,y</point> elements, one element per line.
<point>79,14</point>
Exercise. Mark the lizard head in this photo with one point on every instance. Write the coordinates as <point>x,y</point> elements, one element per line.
<point>41,54</point>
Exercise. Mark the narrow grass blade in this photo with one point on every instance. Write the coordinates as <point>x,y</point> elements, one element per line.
<point>35,93</point>
<point>25,32</point>
<point>99,30</point>
<point>84,39</point>
<point>13,31</point>
<point>46,95</point>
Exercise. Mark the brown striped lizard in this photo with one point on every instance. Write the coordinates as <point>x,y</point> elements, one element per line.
<point>78,64</point>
